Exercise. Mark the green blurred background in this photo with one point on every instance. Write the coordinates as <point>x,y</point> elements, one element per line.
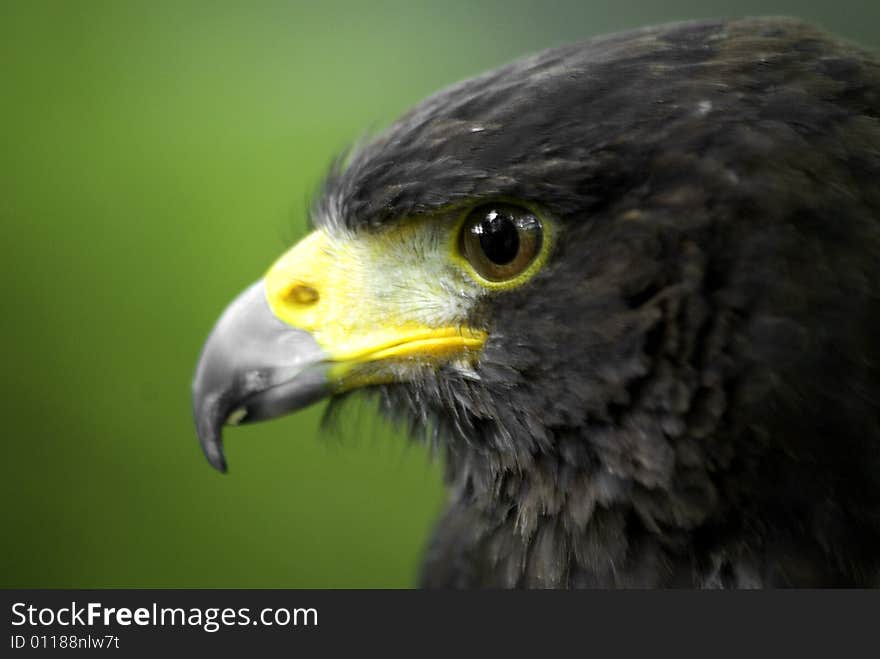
<point>156,157</point>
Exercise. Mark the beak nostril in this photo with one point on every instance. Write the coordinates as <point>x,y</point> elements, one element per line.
<point>301,294</point>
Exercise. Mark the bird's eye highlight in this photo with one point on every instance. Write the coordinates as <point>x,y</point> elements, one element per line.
<point>500,241</point>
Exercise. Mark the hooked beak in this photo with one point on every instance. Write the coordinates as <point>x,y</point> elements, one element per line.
<point>253,367</point>
<point>319,323</point>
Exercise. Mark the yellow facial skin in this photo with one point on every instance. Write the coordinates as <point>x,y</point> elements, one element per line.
<point>376,298</point>
<point>382,304</point>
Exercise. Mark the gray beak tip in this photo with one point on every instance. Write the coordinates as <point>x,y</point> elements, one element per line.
<point>214,453</point>
<point>219,464</point>
<point>253,367</point>
<point>209,428</point>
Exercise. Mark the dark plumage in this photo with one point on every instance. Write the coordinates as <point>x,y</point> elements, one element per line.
<point>689,392</point>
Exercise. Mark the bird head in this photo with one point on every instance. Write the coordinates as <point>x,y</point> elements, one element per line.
<point>441,271</point>
<point>521,260</point>
<point>605,279</point>
<point>487,263</point>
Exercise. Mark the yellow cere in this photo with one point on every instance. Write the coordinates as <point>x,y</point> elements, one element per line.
<point>392,297</point>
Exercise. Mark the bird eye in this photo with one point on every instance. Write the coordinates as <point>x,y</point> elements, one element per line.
<point>500,241</point>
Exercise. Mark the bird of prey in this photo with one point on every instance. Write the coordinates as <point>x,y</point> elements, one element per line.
<point>629,287</point>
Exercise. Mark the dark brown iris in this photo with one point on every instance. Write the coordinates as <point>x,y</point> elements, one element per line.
<point>500,240</point>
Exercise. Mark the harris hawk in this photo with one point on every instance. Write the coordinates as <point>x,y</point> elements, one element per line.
<point>630,288</point>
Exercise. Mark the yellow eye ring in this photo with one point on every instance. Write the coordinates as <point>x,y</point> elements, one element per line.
<point>501,244</point>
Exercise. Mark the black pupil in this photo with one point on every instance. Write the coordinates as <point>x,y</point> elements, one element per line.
<point>498,238</point>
